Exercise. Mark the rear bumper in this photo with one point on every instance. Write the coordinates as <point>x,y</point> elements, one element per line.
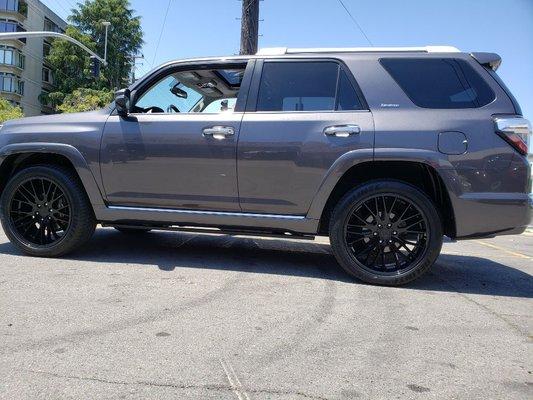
<point>492,214</point>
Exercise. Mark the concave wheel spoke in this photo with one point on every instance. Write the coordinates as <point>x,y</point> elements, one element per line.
<point>411,217</point>
<point>370,211</point>
<point>33,215</point>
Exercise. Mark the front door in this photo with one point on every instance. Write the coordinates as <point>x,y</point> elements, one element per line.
<point>178,147</point>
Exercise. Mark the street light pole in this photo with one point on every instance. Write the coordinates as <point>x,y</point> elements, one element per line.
<point>106,24</point>
<point>18,35</point>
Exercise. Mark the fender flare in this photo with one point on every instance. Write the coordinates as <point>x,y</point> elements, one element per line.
<point>70,152</point>
<point>432,159</point>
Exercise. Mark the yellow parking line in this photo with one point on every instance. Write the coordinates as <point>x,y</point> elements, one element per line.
<point>513,253</point>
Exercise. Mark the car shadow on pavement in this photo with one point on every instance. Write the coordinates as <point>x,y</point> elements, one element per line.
<point>171,250</point>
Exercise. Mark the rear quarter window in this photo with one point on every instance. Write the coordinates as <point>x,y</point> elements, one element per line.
<point>439,82</point>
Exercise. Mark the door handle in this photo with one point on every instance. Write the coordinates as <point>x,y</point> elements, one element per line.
<point>218,132</point>
<point>342,130</point>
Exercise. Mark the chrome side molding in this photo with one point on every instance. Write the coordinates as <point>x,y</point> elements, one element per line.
<point>213,213</point>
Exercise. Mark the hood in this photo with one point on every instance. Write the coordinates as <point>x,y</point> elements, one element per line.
<point>57,118</point>
<point>57,122</point>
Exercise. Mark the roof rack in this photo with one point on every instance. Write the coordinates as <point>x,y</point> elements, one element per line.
<point>277,51</point>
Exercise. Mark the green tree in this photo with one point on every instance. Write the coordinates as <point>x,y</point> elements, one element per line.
<point>9,111</point>
<point>71,66</point>
<point>125,35</point>
<point>86,100</point>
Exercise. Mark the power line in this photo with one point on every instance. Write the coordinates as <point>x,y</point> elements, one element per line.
<point>355,22</point>
<point>161,33</point>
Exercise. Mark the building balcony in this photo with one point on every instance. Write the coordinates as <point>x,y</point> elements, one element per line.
<point>11,69</point>
<point>11,96</point>
<point>48,86</point>
<point>17,10</point>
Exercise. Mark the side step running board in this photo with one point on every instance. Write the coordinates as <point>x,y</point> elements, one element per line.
<point>215,231</point>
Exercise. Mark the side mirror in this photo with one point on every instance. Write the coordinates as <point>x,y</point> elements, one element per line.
<point>122,102</point>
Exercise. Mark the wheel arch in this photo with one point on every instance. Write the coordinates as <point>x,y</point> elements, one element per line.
<point>14,157</point>
<point>421,174</point>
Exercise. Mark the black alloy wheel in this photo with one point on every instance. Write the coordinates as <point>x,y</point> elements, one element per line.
<point>40,212</point>
<point>45,211</point>
<point>386,232</point>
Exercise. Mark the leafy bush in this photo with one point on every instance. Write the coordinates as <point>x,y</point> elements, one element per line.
<point>86,100</point>
<point>9,111</point>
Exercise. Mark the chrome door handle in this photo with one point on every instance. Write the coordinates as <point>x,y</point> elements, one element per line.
<point>342,130</point>
<point>218,132</point>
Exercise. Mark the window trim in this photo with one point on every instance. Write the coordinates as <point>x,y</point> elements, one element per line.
<point>140,87</point>
<point>253,96</point>
<point>404,91</point>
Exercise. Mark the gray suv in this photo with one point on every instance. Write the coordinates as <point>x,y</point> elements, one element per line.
<point>384,150</point>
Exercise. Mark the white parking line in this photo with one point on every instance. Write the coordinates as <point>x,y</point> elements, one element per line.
<point>504,250</point>
<point>234,381</point>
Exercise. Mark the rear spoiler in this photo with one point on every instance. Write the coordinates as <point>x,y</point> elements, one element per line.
<point>489,60</point>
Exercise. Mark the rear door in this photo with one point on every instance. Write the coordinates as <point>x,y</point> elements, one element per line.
<point>302,115</point>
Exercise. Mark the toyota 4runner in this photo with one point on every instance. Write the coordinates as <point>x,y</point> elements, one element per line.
<point>384,150</point>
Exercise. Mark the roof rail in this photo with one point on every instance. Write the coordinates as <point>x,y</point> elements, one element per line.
<point>277,51</point>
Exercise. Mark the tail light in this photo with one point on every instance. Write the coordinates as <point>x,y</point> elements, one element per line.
<point>515,131</point>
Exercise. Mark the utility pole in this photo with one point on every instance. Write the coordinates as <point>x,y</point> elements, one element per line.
<point>249,26</point>
<point>134,65</point>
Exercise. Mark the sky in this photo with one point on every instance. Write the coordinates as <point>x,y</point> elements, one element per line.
<point>211,27</point>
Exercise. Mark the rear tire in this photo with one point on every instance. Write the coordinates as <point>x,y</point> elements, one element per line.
<point>45,211</point>
<point>386,233</point>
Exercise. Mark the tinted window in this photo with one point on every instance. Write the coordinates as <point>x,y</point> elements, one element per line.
<point>440,83</point>
<point>298,86</point>
<point>346,96</point>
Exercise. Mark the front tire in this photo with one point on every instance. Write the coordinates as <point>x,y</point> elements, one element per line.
<point>386,233</point>
<point>45,211</point>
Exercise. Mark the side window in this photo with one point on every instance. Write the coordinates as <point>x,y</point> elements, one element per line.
<point>347,98</point>
<point>439,82</point>
<point>193,91</point>
<point>305,86</point>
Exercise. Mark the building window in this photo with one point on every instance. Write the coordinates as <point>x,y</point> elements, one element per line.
<point>11,83</point>
<point>9,5</point>
<point>6,55</point>
<point>47,75</point>
<point>51,26</point>
<point>7,25</point>
<point>47,47</point>
<point>12,56</point>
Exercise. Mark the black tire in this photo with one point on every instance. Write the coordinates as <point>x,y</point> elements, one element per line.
<point>134,231</point>
<point>360,233</point>
<point>58,237</point>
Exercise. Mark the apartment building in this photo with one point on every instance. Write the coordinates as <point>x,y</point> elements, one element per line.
<point>24,75</point>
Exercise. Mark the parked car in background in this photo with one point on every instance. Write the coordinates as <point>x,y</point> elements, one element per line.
<point>384,150</point>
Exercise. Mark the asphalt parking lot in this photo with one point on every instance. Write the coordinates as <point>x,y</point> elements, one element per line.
<point>182,316</point>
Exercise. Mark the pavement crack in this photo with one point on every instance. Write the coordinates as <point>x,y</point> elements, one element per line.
<point>180,386</point>
<point>510,324</point>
